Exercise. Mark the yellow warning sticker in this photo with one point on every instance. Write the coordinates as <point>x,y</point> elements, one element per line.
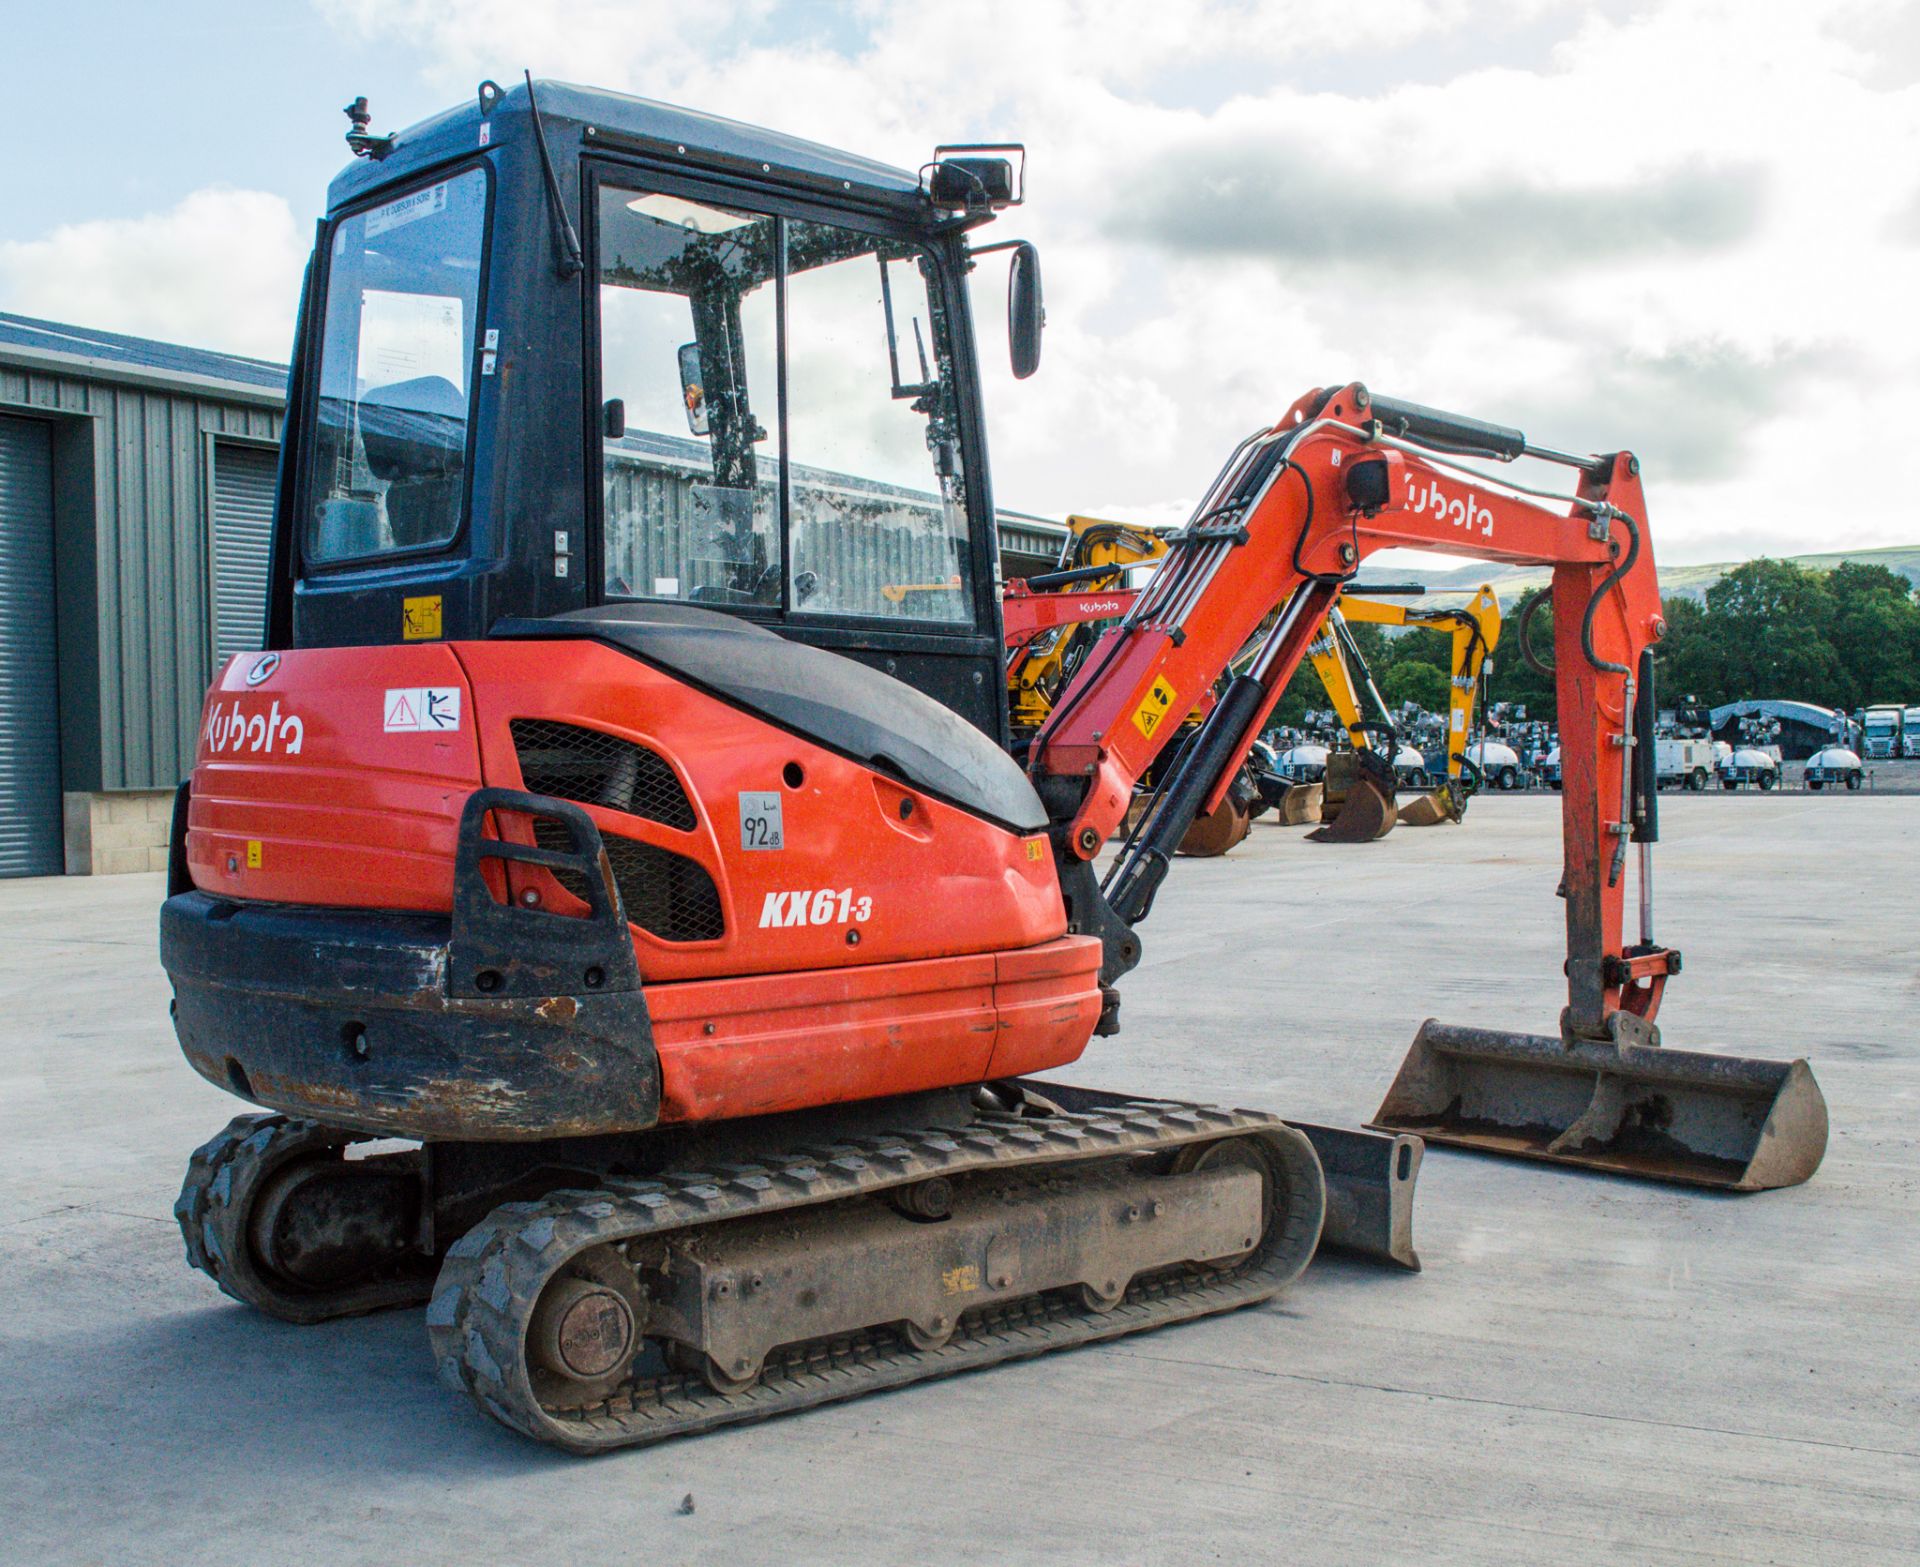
<point>1036,847</point>
<point>253,854</point>
<point>420,618</point>
<point>1158,704</point>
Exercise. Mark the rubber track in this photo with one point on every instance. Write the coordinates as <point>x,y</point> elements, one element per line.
<point>493,1275</point>
<point>224,1176</point>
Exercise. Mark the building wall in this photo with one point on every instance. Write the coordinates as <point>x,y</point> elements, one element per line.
<point>132,473</point>
<point>133,455</point>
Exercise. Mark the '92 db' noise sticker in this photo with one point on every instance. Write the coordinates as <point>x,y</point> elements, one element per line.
<point>1157,704</point>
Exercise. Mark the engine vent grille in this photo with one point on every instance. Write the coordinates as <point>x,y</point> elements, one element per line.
<point>666,894</point>
<point>572,763</point>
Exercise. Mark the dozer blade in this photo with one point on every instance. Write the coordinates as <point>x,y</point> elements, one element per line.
<point>1370,1176</point>
<point>1366,814</point>
<point>1731,1122</point>
<point>1301,804</point>
<point>1370,1181</point>
<point>1216,832</point>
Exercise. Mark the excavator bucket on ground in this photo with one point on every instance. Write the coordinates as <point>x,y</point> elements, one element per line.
<point>1362,784</point>
<point>1301,805</point>
<point>1444,804</point>
<point>1216,831</point>
<point>1626,1108</point>
<point>1364,815</point>
<point>1213,832</point>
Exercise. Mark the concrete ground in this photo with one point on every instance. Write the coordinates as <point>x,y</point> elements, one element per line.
<point>1589,1369</point>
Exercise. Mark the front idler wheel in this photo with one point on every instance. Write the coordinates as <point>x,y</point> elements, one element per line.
<point>585,1330</point>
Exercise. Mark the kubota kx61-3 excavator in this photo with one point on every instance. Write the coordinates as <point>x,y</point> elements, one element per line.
<point>704,967</point>
<point>1049,620</point>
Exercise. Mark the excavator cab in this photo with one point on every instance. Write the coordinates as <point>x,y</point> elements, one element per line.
<point>757,349</point>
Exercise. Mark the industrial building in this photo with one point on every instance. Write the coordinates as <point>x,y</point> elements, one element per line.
<point>136,501</point>
<point>136,494</point>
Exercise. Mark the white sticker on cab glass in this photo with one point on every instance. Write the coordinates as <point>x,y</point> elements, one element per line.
<point>410,208</point>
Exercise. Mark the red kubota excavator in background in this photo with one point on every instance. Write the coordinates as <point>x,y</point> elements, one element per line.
<point>706,964</point>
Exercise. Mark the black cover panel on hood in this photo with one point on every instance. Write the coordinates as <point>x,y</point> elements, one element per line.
<point>838,702</point>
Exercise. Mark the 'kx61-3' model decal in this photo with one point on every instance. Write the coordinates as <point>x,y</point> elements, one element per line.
<point>824,907</point>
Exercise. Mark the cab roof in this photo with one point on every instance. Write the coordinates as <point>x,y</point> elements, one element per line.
<point>577,117</point>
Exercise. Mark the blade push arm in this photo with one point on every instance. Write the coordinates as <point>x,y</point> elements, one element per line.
<point>1287,523</point>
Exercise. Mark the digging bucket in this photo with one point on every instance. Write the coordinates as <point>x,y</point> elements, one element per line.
<point>1424,810</point>
<point>1300,805</point>
<point>1432,809</point>
<point>1731,1122</point>
<point>1365,814</point>
<point>1216,832</point>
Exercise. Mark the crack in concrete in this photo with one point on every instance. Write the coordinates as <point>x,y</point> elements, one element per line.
<point>1502,1403</point>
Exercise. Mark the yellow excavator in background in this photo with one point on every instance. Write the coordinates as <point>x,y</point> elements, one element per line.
<point>1052,618</point>
<point>1043,653</point>
<point>1357,794</point>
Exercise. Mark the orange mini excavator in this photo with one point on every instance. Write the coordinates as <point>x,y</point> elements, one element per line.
<point>574,830</point>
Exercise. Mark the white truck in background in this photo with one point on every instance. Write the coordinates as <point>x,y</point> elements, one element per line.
<point>1683,751</point>
<point>1880,737</point>
<point>1684,761</point>
<point>1910,732</point>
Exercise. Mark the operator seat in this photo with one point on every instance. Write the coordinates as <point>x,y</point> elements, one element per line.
<point>832,700</point>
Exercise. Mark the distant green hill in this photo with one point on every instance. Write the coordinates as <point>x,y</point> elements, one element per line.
<point>1688,581</point>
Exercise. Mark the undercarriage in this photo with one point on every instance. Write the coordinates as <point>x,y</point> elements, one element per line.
<point>609,1292</point>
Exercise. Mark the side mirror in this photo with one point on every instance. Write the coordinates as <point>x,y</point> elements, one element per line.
<point>613,418</point>
<point>1026,314</point>
<point>692,388</point>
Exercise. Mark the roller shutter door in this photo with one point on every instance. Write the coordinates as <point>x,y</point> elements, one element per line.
<point>30,842</point>
<point>243,480</point>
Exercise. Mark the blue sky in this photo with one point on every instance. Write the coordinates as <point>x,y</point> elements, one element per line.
<point>1684,226</point>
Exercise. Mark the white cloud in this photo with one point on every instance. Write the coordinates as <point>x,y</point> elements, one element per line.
<point>221,269</point>
<point>1687,226</point>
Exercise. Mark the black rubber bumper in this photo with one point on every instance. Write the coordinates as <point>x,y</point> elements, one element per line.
<point>497,1024</point>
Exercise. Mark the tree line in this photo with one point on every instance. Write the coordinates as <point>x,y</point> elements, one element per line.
<point>1844,638</point>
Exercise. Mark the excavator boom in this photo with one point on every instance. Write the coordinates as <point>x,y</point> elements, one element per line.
<point>1288,522</point>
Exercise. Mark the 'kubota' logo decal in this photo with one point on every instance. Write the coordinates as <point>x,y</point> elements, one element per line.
<point>825,907</point>
<point>236,729</point>
<point>1468,513</point>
